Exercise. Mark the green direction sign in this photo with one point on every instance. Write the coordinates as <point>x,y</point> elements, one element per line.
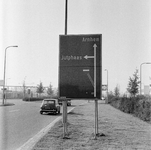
<point>80,66</point>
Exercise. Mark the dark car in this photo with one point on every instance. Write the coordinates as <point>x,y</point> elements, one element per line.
<point>68,102</point>
<point>50,106</point>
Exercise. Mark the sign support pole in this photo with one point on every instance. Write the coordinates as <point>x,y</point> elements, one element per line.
<point>65,101</point>
<point>96,118</point>
<point>96,100</point>
<point>64,118</point>
<point>66,16</point>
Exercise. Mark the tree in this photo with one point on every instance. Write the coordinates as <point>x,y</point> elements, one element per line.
<point>133,84</point>
<point>50,90</point>
<point>117,91</point>
<point>40,88</point>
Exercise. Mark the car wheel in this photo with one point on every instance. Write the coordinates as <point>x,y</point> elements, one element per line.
<point>41,112</point>
<point>59,112</point>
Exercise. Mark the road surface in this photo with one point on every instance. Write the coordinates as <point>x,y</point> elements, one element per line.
<point>22,121</point>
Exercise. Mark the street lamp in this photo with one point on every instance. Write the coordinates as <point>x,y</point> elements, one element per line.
<point>5,72</point>
<point>107,86</point>
<point>141,75</point>
<point>6,88</point>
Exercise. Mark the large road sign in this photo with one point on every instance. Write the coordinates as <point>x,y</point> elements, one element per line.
<point>80,63</point>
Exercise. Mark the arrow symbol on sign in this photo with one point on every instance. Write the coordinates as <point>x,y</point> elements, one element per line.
<point>94,57</point>
<point>94,46</point>
<point>87,57</point>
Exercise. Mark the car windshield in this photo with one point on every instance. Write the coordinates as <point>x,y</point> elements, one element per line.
<point>49,102</point>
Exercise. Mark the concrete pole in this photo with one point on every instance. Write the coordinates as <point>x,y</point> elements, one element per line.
<point>5,73</point>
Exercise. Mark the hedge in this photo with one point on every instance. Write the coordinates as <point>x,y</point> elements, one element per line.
<point>38,98</point>
<point>32,99</point>
<point>137,106</point>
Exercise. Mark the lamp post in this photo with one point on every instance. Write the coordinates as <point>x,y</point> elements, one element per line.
<point>141,75</point>
<point>5,72</point>
<point>107,87</point>
<point>6,88</point>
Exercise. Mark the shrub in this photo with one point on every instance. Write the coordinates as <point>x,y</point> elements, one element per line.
<point>38,98</point>
<point>115,102</point>
<point>135,105</point>
<point>32,99</point>
<point>110,96</point>
<point>143,109</point>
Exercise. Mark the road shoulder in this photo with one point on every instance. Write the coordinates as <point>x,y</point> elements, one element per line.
<point>121,131</point>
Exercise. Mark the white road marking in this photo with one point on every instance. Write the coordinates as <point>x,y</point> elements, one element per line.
<point>14,110</point>
<point>83,103</point>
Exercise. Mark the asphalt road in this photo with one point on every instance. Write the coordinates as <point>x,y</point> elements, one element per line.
<point>22,121</point>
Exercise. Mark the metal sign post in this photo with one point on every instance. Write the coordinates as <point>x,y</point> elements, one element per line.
<point>64,117</point>
<point>96,118</point>
<point>64,100</point>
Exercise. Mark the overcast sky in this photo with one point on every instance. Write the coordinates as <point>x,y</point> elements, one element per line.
<point>35,26</point>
